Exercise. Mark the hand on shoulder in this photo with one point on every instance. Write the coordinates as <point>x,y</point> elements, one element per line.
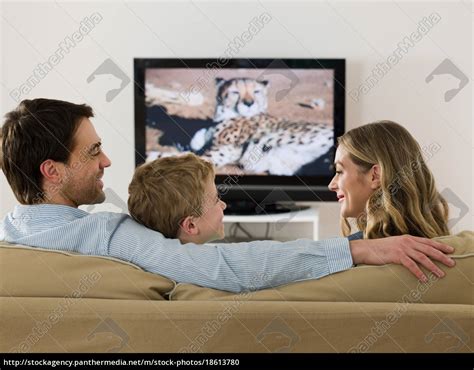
<point>407,250</point>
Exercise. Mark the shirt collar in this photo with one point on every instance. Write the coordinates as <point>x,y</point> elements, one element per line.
<point>48,210</point>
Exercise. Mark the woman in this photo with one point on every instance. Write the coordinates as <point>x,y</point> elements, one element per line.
<point>383,182</point>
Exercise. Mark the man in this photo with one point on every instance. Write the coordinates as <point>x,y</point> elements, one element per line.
<point>52,159</point>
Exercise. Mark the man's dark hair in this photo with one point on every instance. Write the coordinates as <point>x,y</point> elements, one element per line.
<point>35,131</point>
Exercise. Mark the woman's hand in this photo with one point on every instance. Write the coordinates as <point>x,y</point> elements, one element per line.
<point>409,251</point>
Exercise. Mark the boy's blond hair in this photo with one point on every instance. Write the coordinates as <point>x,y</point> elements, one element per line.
<point>165,191</point>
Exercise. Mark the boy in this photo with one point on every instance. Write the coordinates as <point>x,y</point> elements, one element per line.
<point>178,197</point>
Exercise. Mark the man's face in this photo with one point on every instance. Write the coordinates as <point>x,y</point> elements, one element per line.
<point>81,177</point>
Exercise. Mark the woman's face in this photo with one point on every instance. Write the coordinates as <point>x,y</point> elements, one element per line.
<point>353,187</point>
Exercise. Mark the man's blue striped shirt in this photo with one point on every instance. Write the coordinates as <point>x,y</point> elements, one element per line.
<point>234,267</point>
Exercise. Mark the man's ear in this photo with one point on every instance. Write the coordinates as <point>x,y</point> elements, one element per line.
<point>51,171</point>
<point>375,173</point>
<point>188,226</point>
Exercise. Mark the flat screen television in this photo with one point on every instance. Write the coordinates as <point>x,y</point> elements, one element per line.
<point>268,125</point>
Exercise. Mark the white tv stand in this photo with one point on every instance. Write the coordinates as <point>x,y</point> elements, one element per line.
<point>306,220</point>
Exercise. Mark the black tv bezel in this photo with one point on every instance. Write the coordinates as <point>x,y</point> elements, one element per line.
<point>300,188</point>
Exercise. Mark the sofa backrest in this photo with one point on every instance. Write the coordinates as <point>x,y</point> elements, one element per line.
<point>35,272</point>
<point>388,283</point>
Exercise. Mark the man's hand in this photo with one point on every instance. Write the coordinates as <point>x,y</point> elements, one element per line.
<point>405,250</point>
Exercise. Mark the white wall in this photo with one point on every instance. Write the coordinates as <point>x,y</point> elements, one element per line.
<point>365,33</point>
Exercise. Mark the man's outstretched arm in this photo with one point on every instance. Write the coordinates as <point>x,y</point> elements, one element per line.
<point>237,267</point>
<point>409,251</point>
<point>264,264</point>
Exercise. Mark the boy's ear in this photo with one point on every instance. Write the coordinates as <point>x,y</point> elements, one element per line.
<point>51,171</point>
<point>375,181</point>
<point>188,226</point>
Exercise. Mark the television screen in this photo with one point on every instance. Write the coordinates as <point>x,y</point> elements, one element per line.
<point>261,122</point>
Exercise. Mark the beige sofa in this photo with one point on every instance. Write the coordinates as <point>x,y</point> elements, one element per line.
<point>54,301</point>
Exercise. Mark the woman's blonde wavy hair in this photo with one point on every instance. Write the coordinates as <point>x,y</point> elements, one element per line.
<point>407,201</point>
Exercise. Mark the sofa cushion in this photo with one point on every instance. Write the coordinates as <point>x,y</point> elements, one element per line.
<point>36,272</point>
<point>39,325</point>
<point>388,283</point>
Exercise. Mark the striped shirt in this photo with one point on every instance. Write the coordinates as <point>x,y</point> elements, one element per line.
<point>233,267</point>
